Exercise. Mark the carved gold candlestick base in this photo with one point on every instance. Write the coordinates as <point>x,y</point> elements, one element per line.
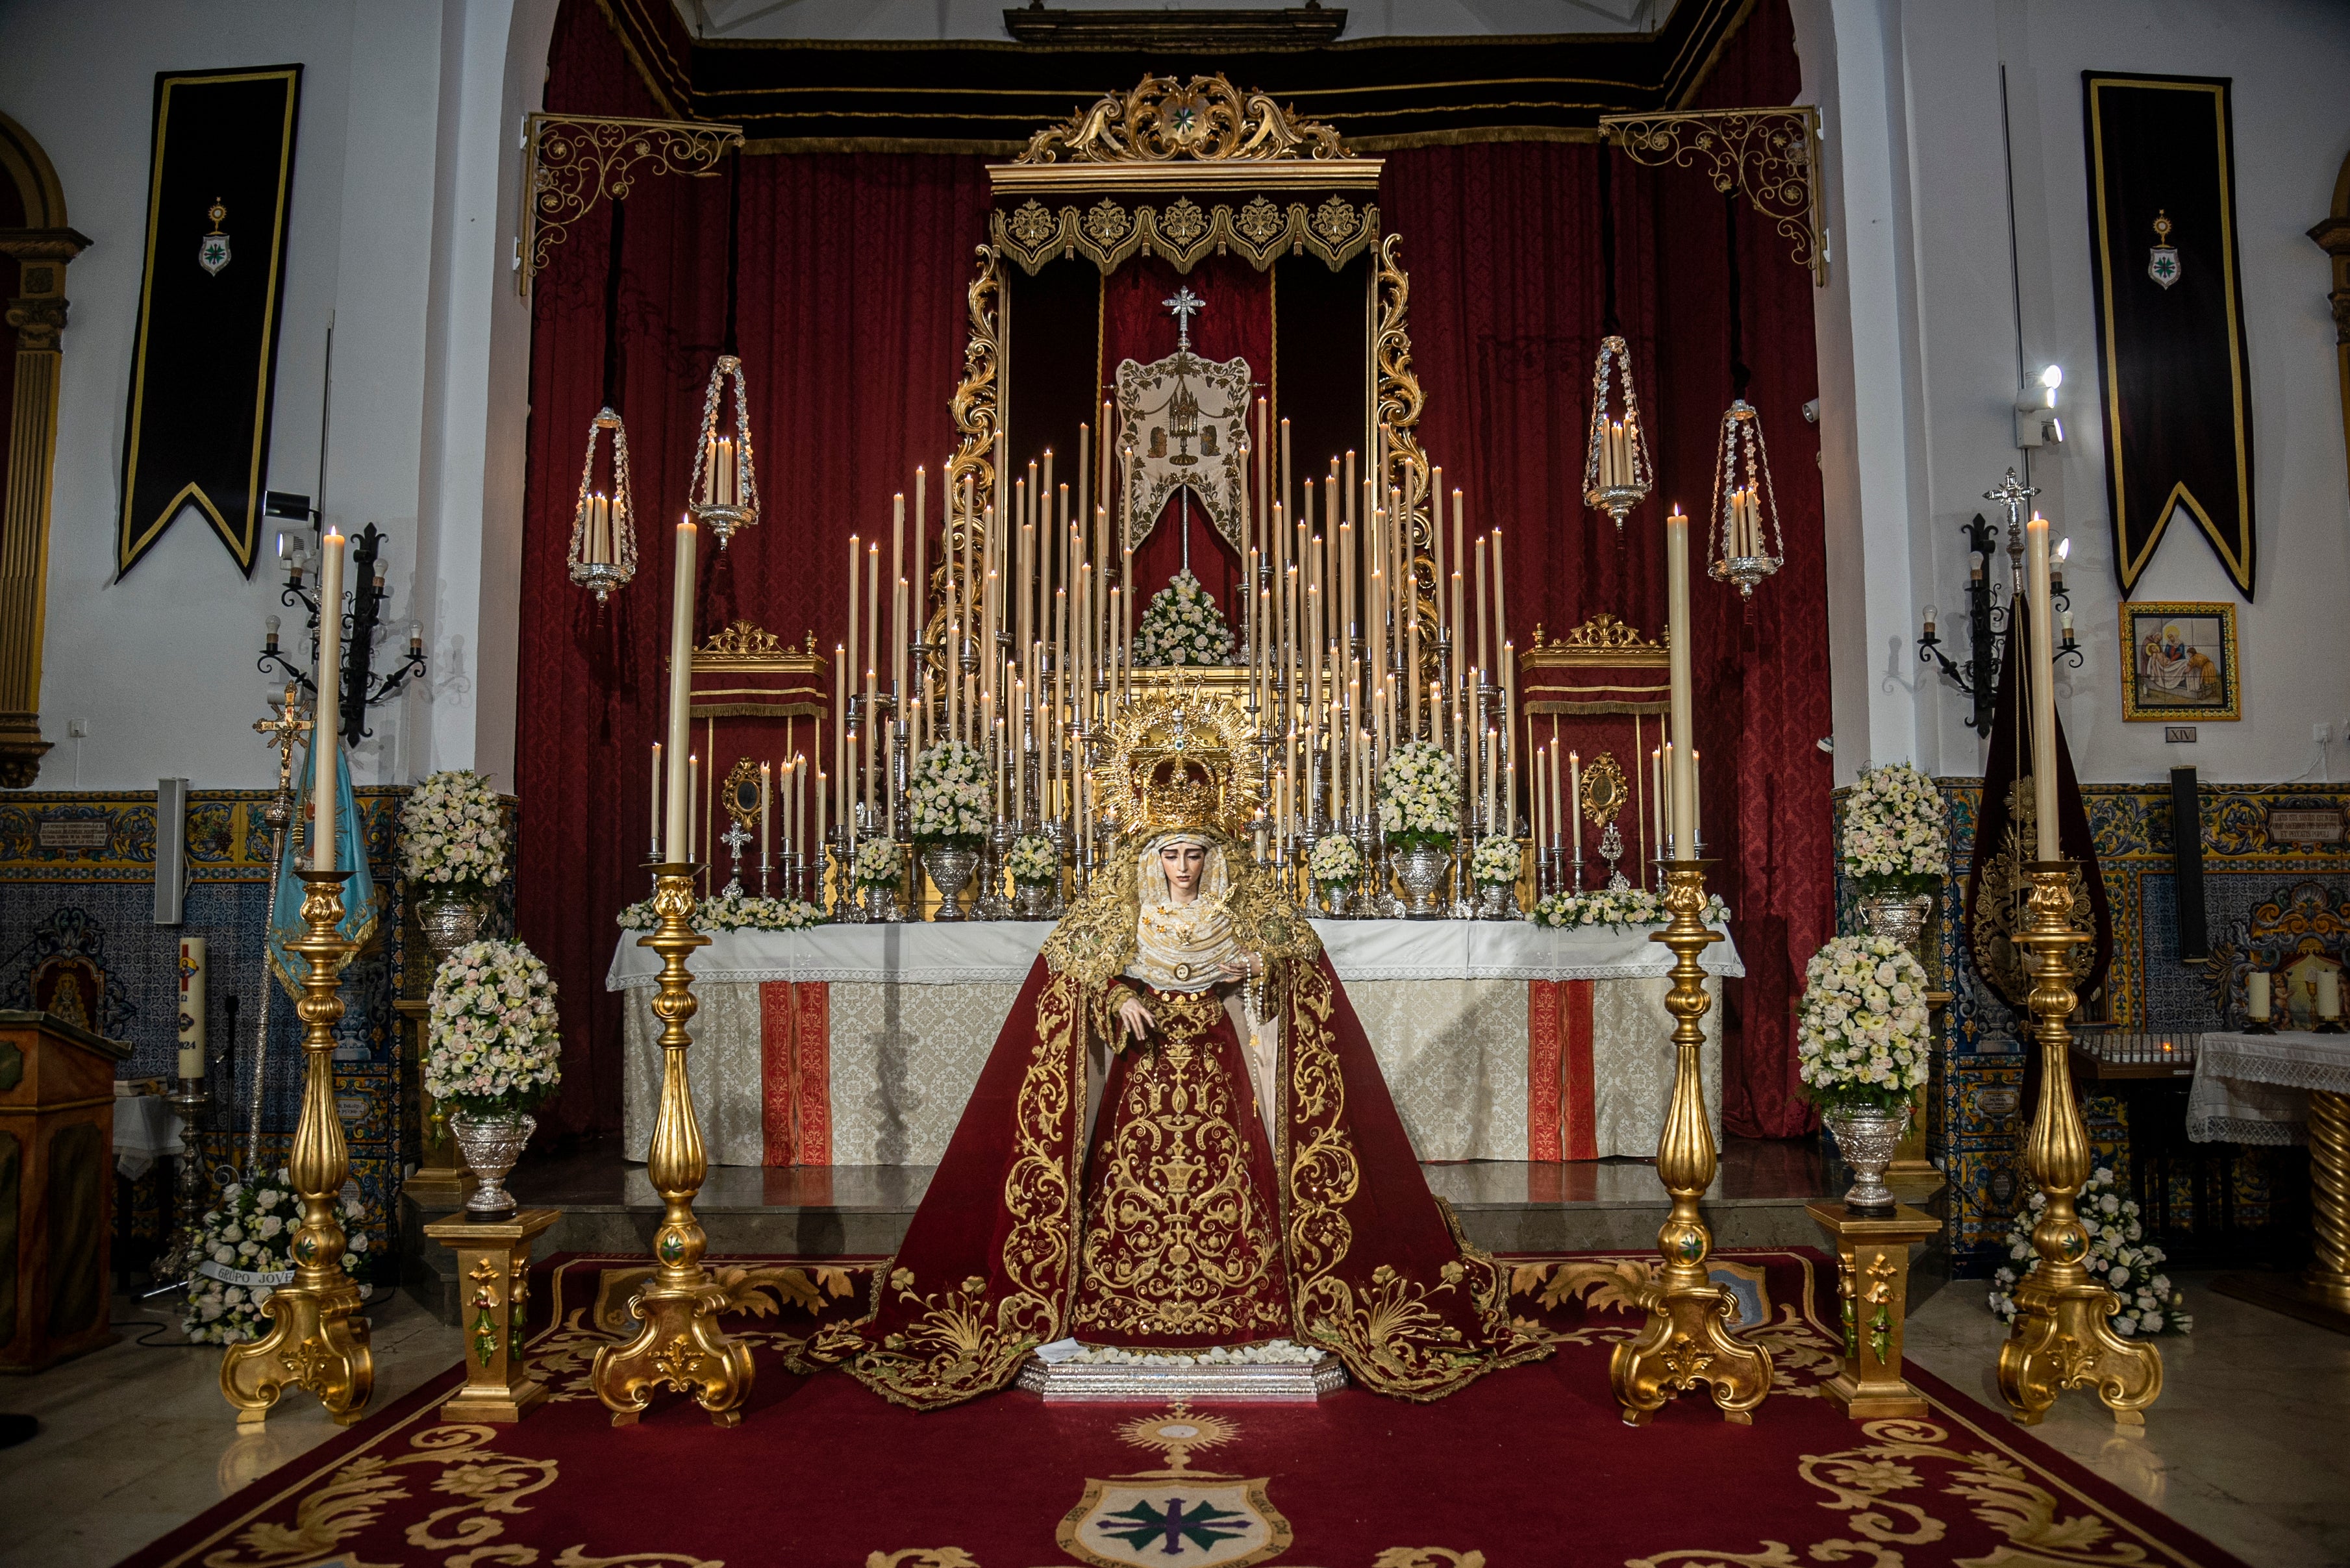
<point>1688,1339</point>
<point>316,1339</point>
<point>678,1344</point>
<point>2061,1337</point>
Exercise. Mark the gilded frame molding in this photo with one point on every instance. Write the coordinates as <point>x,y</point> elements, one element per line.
<point>570,163</point>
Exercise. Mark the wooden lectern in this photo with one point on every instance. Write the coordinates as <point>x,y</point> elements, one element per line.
<point>56,1189</point>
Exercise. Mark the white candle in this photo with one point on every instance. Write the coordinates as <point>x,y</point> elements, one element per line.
<point>767,788</point>
<point>676,802</point>
<point>1574,803</point>
<point>194,961</point>
<point>2256,996</point>
<point>656,826</point>
<point>693,789</point>
<point>2329,996</point>
<point>1683,817</point>
<point>325,744</point>
<point>2040,670</point>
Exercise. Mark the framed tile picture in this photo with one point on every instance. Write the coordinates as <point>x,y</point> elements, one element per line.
<point>2178,662</point>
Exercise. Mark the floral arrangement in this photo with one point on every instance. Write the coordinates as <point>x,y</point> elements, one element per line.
<point>948,791</point>
<point>1034,861</point>
<point>1182,626</point>
<point>879,862</point>
<point>1894,841</point>
<point>1861,1031</point>
<point>246,1250</point>
<point>493,1047</point>
<point>1335,861</point>
<point>1496,862</point>
<point>452,833</point>
<point>736,912</point>
<point>1620,907</point>
<point>2118,1259</point>
<point>1419,796</point>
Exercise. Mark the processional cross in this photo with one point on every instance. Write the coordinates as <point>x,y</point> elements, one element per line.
<point>278,731</point>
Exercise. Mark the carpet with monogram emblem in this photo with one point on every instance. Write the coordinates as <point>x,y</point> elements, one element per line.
<point>1530,1466</point>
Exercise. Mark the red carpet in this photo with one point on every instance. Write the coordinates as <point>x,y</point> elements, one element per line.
<point>1531,1466</point>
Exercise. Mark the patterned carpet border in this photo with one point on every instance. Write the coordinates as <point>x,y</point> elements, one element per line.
<point>1530,1467</point>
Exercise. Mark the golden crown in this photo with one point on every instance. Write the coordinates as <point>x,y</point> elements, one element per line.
<point>1177,761</point>
<point>1180,792</point>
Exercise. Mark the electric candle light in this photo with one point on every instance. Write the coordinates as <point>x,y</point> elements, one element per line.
<point>326,723</point>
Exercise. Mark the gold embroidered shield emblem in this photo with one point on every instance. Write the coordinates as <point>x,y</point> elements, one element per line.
<point>1183,1520</point>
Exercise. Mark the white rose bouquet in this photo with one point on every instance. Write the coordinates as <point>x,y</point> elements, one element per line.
<point>877,864</point>
<point>2118,1260</point>
<point>1496,862</point>
<point>948,791</point>
<point>1620,909</point>
<point>493,1043</point>
<point>1861,1031</point>
<point>1033,862</point>
<point>1894,840</point>
<point>1335,862</point>
<point>1419,796</point>
<point>743,912</point>
<point>1182,626</point>
<point>452,833</point>
<point>246,1250</point>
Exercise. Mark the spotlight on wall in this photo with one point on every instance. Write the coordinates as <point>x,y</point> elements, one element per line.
<point>2036,423</point>
<point>286,503</point>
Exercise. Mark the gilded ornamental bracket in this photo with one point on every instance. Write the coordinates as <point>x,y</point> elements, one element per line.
<point>1768,155</point>
<point>573,162</point>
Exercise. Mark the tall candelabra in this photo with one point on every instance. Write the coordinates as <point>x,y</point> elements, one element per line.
<point>2062,1336</point>
<point>677,1342</point>
<point>1687,1339</point>
<point>316,1339</point>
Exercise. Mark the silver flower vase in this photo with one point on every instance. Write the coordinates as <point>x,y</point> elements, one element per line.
<point>1867,1139</point>
<point>1901,916</point>
<point>490,1145</point>
<point>950,867</point>
<point>1032,900</point>
<point>1496,901</point>
<point>1337,898</point>
<point>1420,870</point>
<point>448,919</point>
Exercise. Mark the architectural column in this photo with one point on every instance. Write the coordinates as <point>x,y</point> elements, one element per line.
<point>36,314</point>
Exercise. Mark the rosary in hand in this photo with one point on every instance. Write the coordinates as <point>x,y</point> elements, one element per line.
<point>1136,1017</point>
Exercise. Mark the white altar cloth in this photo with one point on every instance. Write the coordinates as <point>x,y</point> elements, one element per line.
<point>2254,1088</point>
<point>1000,951</point>
<point>913,1010</point>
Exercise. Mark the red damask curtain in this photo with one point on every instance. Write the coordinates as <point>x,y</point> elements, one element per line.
<point>850,273</point>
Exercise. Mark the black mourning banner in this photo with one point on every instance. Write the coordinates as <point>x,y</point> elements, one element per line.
<point>2172,368</point>
<point>205,360</point>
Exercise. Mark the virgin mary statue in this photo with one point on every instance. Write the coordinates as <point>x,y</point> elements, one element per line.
<point>1180,1139</point>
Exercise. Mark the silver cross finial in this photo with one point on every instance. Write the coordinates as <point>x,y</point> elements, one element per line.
<point>1181,306</point>
<point>2012,493</point>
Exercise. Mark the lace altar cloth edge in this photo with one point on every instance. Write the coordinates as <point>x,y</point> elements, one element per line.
<point>925,953</point>
<point>2254,1088</point>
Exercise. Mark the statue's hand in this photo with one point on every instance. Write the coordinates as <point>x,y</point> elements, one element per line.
<point>1135,1016</point>
<point>1248,966</point>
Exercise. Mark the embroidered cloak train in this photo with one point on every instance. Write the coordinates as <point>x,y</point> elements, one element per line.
<point>1239,1176</point>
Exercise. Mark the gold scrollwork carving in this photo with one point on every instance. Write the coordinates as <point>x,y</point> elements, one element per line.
<point>977,411</point>
<point>1770,155</point>
<point>572,162</point>
<point>1398,403</point>
<point>1163,120</point>
<point>1261,231</point>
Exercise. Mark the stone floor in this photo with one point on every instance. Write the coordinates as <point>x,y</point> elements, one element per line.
<point>2242,1446</point>
<point>2245,1444</point>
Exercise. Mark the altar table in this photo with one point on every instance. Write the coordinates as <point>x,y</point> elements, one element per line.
<point>2254,1088</point>
<point>858,1044</point>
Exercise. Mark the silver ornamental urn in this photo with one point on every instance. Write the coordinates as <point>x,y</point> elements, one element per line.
<point>950,866</point>
<point>1420,870</point>
<point>489,1144</point>
<point>1867,1137</point>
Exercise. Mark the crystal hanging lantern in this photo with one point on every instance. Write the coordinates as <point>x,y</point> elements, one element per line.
<point>603,523</point>
<point>1616,475</point>
<point>1744,543</point>
<point>724,490</point>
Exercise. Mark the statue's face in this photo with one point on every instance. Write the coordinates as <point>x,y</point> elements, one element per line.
<point>1181,862</point>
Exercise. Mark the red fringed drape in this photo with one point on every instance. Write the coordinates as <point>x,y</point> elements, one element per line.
<point>850,319</point>
<point>1503,245</point>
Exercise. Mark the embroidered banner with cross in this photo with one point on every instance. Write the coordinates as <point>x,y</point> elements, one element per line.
<point>1185,420</point>
<point>203,366</point>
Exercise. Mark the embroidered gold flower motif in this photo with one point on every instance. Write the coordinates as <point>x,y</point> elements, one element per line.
<point>1337,219</point>
<point>1107,223</point>
<point>1031,224</point>
<point>1258,220</point>
<point>1183,222</point>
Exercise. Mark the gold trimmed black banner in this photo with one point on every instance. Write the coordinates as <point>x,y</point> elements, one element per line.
<point>205,366</point>
<point>2172,363</point>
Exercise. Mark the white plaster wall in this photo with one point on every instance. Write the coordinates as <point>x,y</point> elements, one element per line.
<point>401,232</point>
<point>1928,173</point>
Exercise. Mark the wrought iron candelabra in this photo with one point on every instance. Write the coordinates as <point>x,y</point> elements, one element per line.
<point>1991,610</point>
<point>362,687</point>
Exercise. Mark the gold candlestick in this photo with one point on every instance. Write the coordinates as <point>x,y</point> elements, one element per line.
<point>2060,1338</point>
<point>1688,1339</point>
<point>679,1344</point>
<point>316,1339</point>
